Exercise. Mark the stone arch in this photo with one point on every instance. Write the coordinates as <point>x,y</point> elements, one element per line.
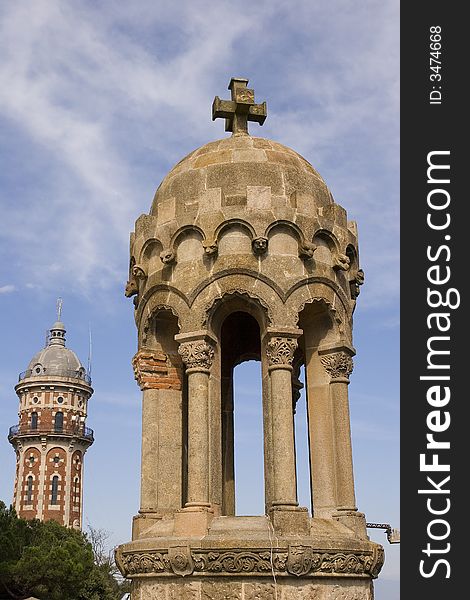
<point>351,253</point>
<point>186,243</point>
<point>241,283</point>
<point>285,238</point>
<point>235,301</point>
<point>161,297</point>
<point>327,247</point>
<point>318,288</point>
<point>150,255</point>
<point>234,237</point>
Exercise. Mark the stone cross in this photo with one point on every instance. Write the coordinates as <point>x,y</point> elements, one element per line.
<point>240,109</point>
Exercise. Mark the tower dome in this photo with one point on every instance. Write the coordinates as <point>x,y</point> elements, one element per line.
<point>55,359</point>
<point>236,168</point>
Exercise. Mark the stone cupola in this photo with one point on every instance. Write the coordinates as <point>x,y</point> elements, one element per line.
<point>245,255</point>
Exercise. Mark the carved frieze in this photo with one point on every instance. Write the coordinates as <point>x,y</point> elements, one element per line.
<point>280,351</point>
<point>153,370</point>
<point>299,560</point>
<point>197,354</point>
<point>338,365</point>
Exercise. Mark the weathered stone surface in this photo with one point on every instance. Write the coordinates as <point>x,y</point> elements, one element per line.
<point>245,255</point>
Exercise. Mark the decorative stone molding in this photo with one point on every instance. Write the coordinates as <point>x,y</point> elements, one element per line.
<point>280,351</point>
<point>298,560</point>
<point>338,365</point>
<point>181,561</point>
<point>197,354</point>
<point>260,245</point>
<point>153,370</point>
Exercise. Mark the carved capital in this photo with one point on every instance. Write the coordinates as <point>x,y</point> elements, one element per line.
<point>153,370</point>
<point>338,365</point>
<point>197,354</point>
<point>280,351</point>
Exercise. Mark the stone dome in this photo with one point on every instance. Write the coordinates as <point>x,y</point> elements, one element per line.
<point>55,359</point>
<point>236,166</point>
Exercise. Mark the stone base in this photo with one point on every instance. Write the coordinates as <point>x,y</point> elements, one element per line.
<point>192,522</point>
<point>290,521</point>
<point>248,558</point>
<point>253,589</point>
<point>356,521</point>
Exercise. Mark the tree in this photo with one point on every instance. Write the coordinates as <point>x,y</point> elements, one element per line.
<point>51,562</point>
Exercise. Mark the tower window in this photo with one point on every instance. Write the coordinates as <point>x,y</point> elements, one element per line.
<point>59,422</point>
<point>60,399</point>
<point>34,420</point>
<point>55,489</point>
<point>29,489</point>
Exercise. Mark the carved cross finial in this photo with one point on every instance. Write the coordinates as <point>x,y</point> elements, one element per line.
<point>240,109</point>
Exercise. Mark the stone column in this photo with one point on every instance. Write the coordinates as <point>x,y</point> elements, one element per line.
<point>338,364</point>
<point>198,354</point>
<point>280,350</point>
<point>161,486</point>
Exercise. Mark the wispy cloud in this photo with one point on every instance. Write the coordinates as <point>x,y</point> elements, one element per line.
<point>7,289</point>
<point>103,100</point>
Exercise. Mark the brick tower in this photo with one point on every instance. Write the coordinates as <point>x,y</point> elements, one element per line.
<point>51,439</point>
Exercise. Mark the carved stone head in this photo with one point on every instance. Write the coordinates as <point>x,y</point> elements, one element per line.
<point>139,272</point>
<point>131,288</point>
<point>167,256</point>
<point>260,245</point>
<point>342,262</point>
<point>306,250</point>
<point>210,247</point>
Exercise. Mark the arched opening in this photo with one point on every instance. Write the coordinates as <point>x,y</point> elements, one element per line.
<point>59,422</point>
<point>29,489</point>
<point>242,437</point>
<point>34,420</point>
<point>55,489</point>
<point>248,439</point>
<point>302,445</point>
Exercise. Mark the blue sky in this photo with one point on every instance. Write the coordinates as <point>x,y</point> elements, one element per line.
<point>98,100</point>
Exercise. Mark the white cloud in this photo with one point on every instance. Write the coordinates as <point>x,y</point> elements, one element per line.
<point>108,98</point>
<point>7,289</point>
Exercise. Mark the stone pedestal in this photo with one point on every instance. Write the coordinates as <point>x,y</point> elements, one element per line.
<point>244,558</point>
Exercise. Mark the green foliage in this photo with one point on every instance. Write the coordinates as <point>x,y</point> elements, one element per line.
<point>51,562</point>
